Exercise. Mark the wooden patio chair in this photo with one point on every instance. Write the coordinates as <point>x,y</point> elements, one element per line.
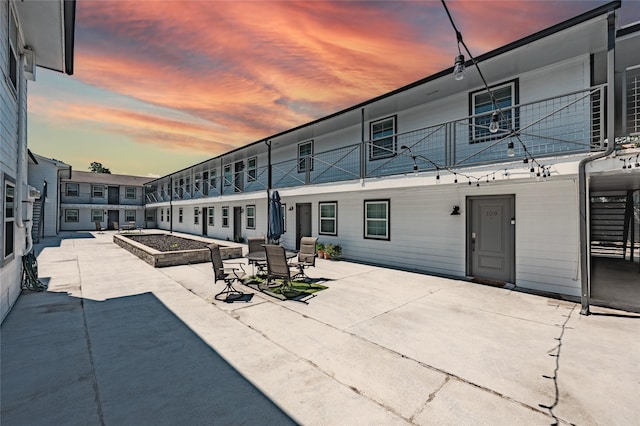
<point>277,265</point>
<point>226,274</point>
<point>306,257</point>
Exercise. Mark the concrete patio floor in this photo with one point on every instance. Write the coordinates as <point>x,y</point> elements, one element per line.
<point>114,341</point>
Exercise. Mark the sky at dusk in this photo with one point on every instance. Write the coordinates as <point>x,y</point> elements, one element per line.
<point>161,85</point>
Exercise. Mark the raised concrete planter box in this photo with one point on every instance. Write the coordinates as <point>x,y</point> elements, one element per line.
<point>159,259</point>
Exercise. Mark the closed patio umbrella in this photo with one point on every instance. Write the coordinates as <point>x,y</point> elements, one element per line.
<point>276,222</point>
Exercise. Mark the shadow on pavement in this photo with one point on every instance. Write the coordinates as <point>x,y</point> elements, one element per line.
<point>127,360</point>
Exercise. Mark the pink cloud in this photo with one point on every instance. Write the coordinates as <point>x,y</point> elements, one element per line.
<point>253,68</point>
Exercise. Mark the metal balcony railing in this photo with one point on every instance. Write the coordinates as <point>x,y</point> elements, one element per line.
<point>565,124</point>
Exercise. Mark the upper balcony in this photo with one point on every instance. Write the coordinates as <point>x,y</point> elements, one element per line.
<point>571,123</point>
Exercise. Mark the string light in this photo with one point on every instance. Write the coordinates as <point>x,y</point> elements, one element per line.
<point>510,149</point>
<point>495,123</point>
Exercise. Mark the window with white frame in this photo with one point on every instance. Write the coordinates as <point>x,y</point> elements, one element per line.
<point>225,216</point>
<point>632,82</point>
<point>180,215</point>
<point>196,183</point>
<point>251,217</point>
<point>213,177</point>
<point>151,216</point>
<point>72,190</point>
<point>97,215</point>
<point>328,214</point>
<point>13,48</point>
<point>97,191</point>
<point>376,219</point>
<point>227,175</point>
<point>196,215</point>
<point>305,149</point>
<point>129,215</point>
<point>130,193</point>
<point>383,139</point>
<point>210,216</point>
<point>252,169</point>
<point>482,108</point>
<point>8,218</point>
<point>188,185</point>
<point>71,215</point>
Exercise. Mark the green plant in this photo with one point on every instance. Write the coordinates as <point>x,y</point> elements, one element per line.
<point>334,250</point>
<point>320,246</point>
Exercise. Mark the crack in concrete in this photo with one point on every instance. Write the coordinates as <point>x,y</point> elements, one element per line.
<point>93,377</point>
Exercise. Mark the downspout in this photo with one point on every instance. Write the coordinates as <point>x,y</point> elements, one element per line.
<point>582,174</point>
<point>269,183</point>
<point>171,204</point>
<point>22,144</point>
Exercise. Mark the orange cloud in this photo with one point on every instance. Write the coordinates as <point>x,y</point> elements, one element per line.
<point>241,71</point>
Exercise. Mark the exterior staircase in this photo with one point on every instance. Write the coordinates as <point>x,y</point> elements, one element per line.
<point>613,225</point>
<point>37,220</point>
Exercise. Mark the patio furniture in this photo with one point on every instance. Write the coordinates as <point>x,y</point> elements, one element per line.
<point>116,226</point>
<point>256,256</point>
<point>306,257</point>
<point>277,265</point>
<point>221,272</point>
<point>99,227</point>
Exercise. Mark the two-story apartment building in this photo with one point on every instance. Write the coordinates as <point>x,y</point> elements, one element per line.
<point>87,198</point>
<point>44,175</point>
<point>449,176</point>
<point>34,34</point>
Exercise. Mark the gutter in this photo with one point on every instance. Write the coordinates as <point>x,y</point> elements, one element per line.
<point>582,173</point>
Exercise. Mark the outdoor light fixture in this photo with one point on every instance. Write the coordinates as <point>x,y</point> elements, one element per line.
<point>437,175</point>
<point>494,126</point>
<point>458,67</point>
<point>532,172</point>
<point>510,151</point>
<point>456,211</point>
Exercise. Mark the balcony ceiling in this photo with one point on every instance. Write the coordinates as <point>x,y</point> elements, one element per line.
<point>47,32</point>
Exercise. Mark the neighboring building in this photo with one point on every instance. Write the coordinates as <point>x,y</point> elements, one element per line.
<point>416,179</point>
<point>87,198</point>
<point>33,34</point>
<point>44,175</point>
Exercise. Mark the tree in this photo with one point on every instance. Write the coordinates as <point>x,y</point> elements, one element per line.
<point>96,167</point>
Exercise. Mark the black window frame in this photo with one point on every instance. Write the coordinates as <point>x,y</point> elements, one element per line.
<point>302,159</point>
<point>335,218</point>
<point>253,217</point>
<point>393,137</point>
<point>8,220</point>
<point>387,201</point>
<point>66,217</point>
<point>515,113</point>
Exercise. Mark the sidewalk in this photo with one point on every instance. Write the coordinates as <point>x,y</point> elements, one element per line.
<point>114,341</point>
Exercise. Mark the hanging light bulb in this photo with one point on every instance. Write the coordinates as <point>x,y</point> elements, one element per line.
<point>438,176</point>
<point>494,126</point>
<point>455,178</point>
<point>510,150</point>
<point>458,67</point>
<point>415,167</point>
<point>532,172</point>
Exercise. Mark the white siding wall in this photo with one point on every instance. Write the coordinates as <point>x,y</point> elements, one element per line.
<point>217,230</point>
<point>11,268</point>
<point>425,237</point>
<point>38,174</point>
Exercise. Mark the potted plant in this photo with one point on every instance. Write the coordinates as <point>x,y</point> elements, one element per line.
<point>328,250</point>
<point>336,251</point>
<point>320,249</point>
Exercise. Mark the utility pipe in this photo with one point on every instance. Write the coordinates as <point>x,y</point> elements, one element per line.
<point>582,173</point>
<point>21,180</point>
